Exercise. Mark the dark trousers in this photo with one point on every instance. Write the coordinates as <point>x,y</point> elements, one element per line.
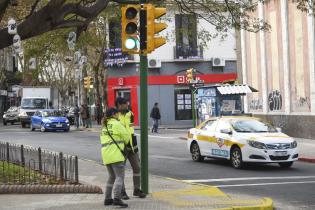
<point>134,160</point>
<point>76,121</point>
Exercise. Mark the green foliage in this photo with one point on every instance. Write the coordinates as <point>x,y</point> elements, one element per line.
<point>15,174</point>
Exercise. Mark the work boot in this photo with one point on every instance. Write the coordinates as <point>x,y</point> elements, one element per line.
<point>108,202</point>
<point>139,193</point>
<point>119,202</point>
<point>124,195</point>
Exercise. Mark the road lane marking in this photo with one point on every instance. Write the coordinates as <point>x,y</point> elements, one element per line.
<point>246,178</point>
<point>168,157</point>
<point>160,137</point>
<point>260,184</point>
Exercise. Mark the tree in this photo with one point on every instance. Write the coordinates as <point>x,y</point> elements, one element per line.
<point>36,17</point>
<point>94,41</point>
<point>52,68</point>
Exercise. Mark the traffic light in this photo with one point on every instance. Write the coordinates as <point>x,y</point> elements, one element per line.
<point>91,82</point>
<point>190,75</point>
<point>86,82</point>
<point>130,31</point>
<point>154,27</point>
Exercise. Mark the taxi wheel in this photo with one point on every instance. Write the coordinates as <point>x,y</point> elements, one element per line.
<point>236,158</point>
<point>195,153</point>
<point>286,164</point>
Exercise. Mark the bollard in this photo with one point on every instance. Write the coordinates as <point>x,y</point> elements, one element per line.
<point>76,168</point>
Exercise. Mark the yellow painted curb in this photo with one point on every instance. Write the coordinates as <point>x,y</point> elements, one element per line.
<point>268,205</point>
<point>213,196</point>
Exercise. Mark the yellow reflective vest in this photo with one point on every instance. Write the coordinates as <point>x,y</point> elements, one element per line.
<point>110,151</point>
<point>127,120</point>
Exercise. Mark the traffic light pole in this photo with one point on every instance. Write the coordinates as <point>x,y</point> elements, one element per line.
<point>193,109</point>
<point>144,111</point>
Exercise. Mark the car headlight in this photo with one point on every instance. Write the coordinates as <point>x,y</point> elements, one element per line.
<point>294,144</point>
<point>23,114</point>
<point>4,116</point>
<point>67,121</point>
<point>256,144</point>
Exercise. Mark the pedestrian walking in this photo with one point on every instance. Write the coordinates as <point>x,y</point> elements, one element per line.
<point>84,115</point>
<point>88,116</point>
<point>126,117</point>
<point>76,113</point>
<point>156,116</point>
<point>98,113</point>
<point>114,136</point>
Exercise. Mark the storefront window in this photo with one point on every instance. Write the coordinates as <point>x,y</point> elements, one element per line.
<point>183,105</point>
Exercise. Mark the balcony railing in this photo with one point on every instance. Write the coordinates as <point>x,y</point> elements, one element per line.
<point>187,52</point>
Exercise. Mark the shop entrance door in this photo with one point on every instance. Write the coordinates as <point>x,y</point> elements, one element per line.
<point>125,93</point>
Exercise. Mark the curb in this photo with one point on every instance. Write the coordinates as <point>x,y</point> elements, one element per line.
<point>49,189</point>
<point>307,159</point>
<point>268,205</point>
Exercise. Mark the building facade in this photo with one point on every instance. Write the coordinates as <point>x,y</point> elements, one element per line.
<point>214,61</point>
<point>280,64</point>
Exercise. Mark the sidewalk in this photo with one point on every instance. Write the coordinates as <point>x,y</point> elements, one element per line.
<point>166,194</point>
<point>306,149</point>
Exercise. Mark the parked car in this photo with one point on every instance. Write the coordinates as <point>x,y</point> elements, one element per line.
<point>49,120</point>
<point>11,115</point>
<point>241,140</point>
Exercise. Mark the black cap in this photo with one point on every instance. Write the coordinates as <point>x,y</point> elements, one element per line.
<point>120,101</point>
<point>111,112</point>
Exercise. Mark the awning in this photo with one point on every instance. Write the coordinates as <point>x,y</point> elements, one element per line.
<point>235,89</point>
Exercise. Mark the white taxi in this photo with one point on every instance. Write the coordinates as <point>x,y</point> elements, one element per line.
<point>241,139</point>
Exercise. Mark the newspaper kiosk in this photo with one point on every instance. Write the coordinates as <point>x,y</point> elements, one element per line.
<point>218,100</point>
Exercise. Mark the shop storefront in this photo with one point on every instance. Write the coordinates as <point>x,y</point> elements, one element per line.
<point>170,91</point>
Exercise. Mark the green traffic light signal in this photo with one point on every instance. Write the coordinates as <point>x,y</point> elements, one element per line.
<point>130,29</point>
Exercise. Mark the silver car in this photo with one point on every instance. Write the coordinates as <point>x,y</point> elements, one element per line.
<point>11,115</point>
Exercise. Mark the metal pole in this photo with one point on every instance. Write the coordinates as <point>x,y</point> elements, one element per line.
<point>144,116</point>
<point>193,106</point>
<point>90,108</point>
<point>144,123</point>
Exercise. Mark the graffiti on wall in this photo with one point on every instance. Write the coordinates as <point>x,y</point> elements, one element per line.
<point>303,102</point>
<point>255,104</point>
<point>275,100</point>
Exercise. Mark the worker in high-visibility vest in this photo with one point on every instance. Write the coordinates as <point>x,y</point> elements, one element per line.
<point>114,136</point>
<point>126,117</point>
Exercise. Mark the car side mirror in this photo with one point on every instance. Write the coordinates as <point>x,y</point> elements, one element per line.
<point>279,129</point>
<point>226,131</point>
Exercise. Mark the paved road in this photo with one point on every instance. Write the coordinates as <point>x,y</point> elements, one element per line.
<point>290,188</point>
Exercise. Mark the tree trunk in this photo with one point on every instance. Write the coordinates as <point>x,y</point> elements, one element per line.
<point>104,88</point>
<point>84,74</point>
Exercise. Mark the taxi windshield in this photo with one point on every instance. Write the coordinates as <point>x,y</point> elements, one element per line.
<point>252,126</point>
